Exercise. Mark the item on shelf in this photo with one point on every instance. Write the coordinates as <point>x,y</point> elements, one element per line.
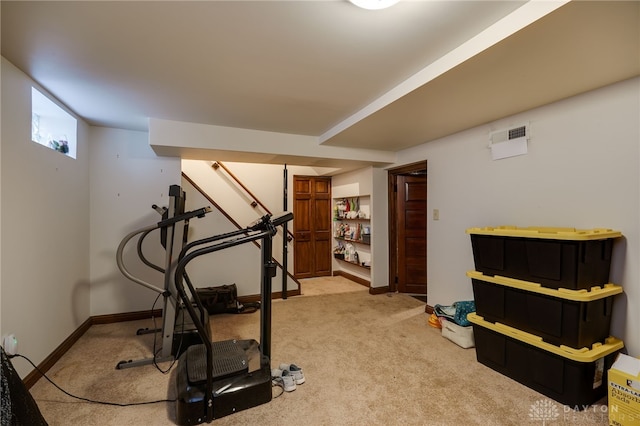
<point>348,208</point>
<point>340,209</point>
<point>352,231</point>
<point>349,251</point>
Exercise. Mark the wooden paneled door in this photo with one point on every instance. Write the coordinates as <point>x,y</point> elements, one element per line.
<point>312,226</point>
<point>408,229</point>
<point>412,234</point>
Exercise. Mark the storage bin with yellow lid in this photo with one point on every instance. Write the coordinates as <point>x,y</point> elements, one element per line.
<point>553,257</point>
<point>574,377</point>
<point>574,318</point>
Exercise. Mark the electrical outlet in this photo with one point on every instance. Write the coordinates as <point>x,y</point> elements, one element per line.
<point>436,214</point>
<point>10,344</point>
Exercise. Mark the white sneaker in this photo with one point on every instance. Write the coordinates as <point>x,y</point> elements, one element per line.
<point>284,379</point>
<point>294,371</point>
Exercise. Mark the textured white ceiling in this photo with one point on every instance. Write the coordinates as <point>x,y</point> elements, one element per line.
<point>313,67</point>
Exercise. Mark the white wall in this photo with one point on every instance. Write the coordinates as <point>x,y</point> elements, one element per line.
<point>582,171</point>
<point>241,264</point>
<point>45,229</point>
<point>380,227</point>
<point>127,178</point>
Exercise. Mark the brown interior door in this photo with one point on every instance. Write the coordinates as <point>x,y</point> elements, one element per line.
<point>411,243</point>
<point>312,226</point>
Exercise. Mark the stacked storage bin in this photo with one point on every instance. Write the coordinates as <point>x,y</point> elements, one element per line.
<point>543,308</point>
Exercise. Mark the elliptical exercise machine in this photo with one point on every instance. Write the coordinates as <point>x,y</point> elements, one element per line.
<point>215,379</point>
<point>177,332</point>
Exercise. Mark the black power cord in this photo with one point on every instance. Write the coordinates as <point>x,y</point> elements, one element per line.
<point>117,404</point>
<point>157,350</point>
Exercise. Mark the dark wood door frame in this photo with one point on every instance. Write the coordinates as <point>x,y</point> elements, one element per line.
<point>393,250</point>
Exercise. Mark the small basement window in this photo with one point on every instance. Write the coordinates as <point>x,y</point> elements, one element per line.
<point>52,126</point>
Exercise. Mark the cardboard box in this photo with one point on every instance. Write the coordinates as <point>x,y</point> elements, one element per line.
<point>624,391</point>
<point>461,336</point>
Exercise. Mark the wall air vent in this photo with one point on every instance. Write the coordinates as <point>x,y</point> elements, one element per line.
<point>509,142</point>
<point>509,134</point>
<point>518,132</point>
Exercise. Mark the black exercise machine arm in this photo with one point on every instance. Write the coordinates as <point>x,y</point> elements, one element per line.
<point>180,271</point>
<point>212,239</point>
<point>259,224</point>
<point>281,218</point>
<point>184,216</point>
<point>264,228</point>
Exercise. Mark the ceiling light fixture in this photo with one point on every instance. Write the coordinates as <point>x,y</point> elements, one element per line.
<point>374,4</point>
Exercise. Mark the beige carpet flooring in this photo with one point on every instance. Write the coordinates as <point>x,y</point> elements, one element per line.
<point>368,360</point>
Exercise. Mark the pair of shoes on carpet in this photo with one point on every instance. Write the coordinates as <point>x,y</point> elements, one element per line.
<point>288,376</point>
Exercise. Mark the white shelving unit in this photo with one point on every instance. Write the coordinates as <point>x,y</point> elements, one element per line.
<point>352,234</point>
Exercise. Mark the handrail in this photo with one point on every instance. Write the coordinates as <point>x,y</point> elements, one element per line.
<point>236,224</point>
<point>256,202</point>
